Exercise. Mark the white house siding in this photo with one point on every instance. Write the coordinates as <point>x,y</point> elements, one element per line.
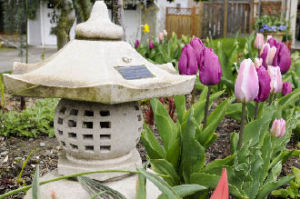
<point>34,30</point>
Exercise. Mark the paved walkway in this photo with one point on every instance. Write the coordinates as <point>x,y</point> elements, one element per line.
<point>10,55</point>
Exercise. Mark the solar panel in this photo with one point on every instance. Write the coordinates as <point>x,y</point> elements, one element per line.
<point>134,72</point>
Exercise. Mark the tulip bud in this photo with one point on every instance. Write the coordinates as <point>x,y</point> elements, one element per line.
<point>286,88</point>
<point>267,53</point>
<point>187,64</point>
<point>137,43</point>
<point>221,191</point>
<point>151,44</point>
<point>210,68</point>
<point>198,46</point>
<point>161,36</point>
<point>259,41</point>
<point>278,128</point>
<point>264,81</point>
<point>276,80</point>
<point>282,57</point>
<point>246,86</point>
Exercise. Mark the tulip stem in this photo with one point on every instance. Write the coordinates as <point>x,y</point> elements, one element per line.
<point>242,125</point>
<point>193,96</point>
<point>270,98</point>
<point>206,106</point>
<point>256,110</point>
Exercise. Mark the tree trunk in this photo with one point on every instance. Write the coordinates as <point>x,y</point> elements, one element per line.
<point>65,23</point>
<point>118,13</point>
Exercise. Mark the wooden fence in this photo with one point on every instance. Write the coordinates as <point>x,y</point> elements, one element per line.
<point>211,19</point>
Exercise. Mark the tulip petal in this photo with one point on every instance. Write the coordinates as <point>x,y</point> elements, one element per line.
<point>221,191</point>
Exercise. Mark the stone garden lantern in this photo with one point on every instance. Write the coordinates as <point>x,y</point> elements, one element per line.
<point>99,79</point>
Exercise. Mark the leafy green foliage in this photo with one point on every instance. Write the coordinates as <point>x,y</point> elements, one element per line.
<point>184,142</point>
<point>292,191</point>
<point>35,184</point>
<point>165,51</point>
<point>30,122</point>
<point>2,96</point>
<point>98,190</point>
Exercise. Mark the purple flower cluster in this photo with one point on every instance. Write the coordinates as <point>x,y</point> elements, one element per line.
<point>267,28</point>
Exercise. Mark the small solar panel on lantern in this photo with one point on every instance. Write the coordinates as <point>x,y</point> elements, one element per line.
<point>134,72</point>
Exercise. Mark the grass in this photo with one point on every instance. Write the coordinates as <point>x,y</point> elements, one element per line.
<point>5,49</point>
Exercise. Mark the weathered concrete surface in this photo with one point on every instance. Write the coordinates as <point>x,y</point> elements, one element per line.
<point>99,26</point>
<point>88,71</point>
<point>66,189</point>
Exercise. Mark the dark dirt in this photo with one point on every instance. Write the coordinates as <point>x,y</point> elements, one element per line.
<point>13,152</point>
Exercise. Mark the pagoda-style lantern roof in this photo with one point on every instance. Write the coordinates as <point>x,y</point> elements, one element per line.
<point>98,67</point>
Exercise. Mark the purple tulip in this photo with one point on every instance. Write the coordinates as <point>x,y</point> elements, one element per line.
<point>151,44</point>
<point>272,41</point>
<point>259,41</point>
<point>276,80</point>
<point>187,64</point>
<point>282,57</point>
<point>246,86</point>
<point>198,46</point>
<point>267,54</point>
<point>137,43</point>
<point>278,128</point>
<point>286,88</point>
<point>264,81</point>
<point>210,70</point>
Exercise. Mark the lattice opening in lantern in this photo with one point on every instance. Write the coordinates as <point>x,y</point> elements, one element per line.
<point>139,117</point>
<point>105,137</point>
<point>60,121</point>
<point>73,146</point>
<point>105,125</point>
<point>63,110</point>
<point>89,113</point>
<point>72,123</point>
<point>89,148</point>
<point>63,143</point>
<point>60,132</point>
<point>105,148</point>
<point>72,135</point>
<point>87,125</point>
<point>137,108</point>
<point>88,137</point>
<point>74,112</point>
<point>104,113</point>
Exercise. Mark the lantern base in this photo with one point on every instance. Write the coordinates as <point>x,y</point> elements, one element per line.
<point>68,165</point>
<point>73,190</point>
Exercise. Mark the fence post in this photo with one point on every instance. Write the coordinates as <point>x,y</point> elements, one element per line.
<point>167,23</point>
<point>200,18</point>
<point>193,20</point>
<point>251,15</point>
<point>225,18</point>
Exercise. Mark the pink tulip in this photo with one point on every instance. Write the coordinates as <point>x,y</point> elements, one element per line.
<point>246,86</point>
<point>221,191</point>
<point>151,44</point>
<point>272,41</point>
<point>276,80</point>
<point>137,43</point>
<point>267,53</point>
<point>286,88</point>
<point>278,128</point>
<point>161,36</point>
<point>259,41</point>
<point>258,62</point>
<point>264,84</point>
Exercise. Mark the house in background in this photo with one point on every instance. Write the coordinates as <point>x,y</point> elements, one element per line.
<point>135,15</point>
